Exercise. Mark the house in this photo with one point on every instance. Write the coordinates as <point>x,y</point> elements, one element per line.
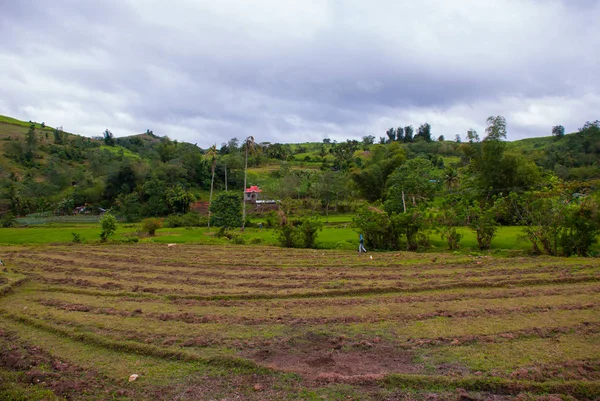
<point>251,194</point>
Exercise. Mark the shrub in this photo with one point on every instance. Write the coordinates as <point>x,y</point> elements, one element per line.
<point>108,222</point>
<point>581,228</point>
<point>237,239</point>
<point>256,240</point>
<point>190,219</point>
<point>150,225</point>
<point>7,221</point>
<point>76,238</point>
<point>483,223</point>
<point>308,229</point>
<point>174,221</point>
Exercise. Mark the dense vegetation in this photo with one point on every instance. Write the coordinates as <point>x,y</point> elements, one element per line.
<point>400,189</point>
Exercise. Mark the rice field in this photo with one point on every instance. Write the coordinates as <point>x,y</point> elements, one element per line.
<point>234,322</point>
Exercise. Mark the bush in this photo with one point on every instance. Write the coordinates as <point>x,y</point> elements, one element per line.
<point>308,229</point>
<point>483,223</point>
<point>581,228</point>
<point>190,219</point>
<point>76,238</point>
<point>150,225</point>
<point>108,222</point>
<point>237,239</point>
<point>7,221</point>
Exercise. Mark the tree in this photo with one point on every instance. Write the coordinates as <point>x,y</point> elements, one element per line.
<point>212,153</point>
<point>108,222</point>
<point>391,134</point>
<point>249,145</point>
<point>400,134</point>
<point>226,210</point>
<point>109,139</point>
<point>457,138</point>
<point>558,131</point>
<point>413,181</point>
<point>496,128</point>
<point>58,136</point>
<point>408,133</point>
<point>441,138</point>
<point>472,136</point>
<point>368,140</point>
<point>179,199</point>
<point>424,132</point>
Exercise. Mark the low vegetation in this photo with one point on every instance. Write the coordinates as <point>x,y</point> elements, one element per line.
<point>206,322</point>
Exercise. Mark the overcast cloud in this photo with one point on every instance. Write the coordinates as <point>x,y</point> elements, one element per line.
<point>299,70</point>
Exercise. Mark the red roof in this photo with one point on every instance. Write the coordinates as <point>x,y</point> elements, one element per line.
<point>253,188</point>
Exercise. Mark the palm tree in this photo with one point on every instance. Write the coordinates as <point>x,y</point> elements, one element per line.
<point>212,153</point>
<point>249,145</point>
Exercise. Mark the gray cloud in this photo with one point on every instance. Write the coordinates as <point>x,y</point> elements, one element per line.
<point>294,71</point>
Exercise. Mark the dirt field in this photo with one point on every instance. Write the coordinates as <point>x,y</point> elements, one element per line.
<point>236,323</point>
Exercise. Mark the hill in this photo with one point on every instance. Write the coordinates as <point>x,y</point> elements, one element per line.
<point>46,169</point>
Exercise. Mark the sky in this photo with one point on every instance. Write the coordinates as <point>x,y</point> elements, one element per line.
<point>293,71</point>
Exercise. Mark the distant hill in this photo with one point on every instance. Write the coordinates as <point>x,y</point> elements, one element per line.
<point>42,167</point>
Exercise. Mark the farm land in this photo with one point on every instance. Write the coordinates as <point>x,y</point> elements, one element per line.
<point>258,322</point>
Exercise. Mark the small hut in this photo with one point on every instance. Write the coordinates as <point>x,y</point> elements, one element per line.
<point>252,193</point>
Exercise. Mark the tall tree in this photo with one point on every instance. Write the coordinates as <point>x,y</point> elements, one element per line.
<point>496,128</point>
<point>212,155</point>
<point>400,134</point>
<point>109,139</point>
<point>391,134</point>
<point>558,131</point>
<point>408,133</point>
<point>424,132</point>
<point>249,145</point>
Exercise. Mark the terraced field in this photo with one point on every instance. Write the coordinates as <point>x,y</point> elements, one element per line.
<point>223,322</point>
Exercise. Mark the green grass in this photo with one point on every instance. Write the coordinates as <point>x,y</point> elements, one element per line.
<point>14,121</point>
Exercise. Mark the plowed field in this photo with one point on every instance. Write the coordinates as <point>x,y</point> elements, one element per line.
<point>228,322</point>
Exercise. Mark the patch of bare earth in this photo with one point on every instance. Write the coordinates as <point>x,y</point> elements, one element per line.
<point>335,359</point>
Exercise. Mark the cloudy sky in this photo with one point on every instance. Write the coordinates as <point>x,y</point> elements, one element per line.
<point>299,70</point>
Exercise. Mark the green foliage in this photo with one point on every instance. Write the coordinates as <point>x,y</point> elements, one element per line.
<point>558,131</point>
<point>416,179</point>
<point>150,225</point>
<point>108,223</point>
<point>226,210</point>
<point>190,219</point>
<point>447,220</point>
<point>301,233</point>
<point>581,227</point>
<point>179,199</point>
<point>308,229</point>
<point>128,207</point>
<point>410,227</point>
<point>76,238</point>
<point>7,220</point>
<point>377,228</point>
<point>372,179</point>
<point>482,220</point>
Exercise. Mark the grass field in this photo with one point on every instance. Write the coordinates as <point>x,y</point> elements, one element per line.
<point>338,233</point>
<point>261,322</point>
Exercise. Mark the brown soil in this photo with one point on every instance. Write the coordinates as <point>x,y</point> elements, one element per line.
<point>334,359</point>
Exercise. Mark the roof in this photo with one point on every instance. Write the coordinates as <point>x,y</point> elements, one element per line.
<point>253,188</point>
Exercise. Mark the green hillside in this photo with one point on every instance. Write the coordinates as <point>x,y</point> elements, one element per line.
<point>47,170</point>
